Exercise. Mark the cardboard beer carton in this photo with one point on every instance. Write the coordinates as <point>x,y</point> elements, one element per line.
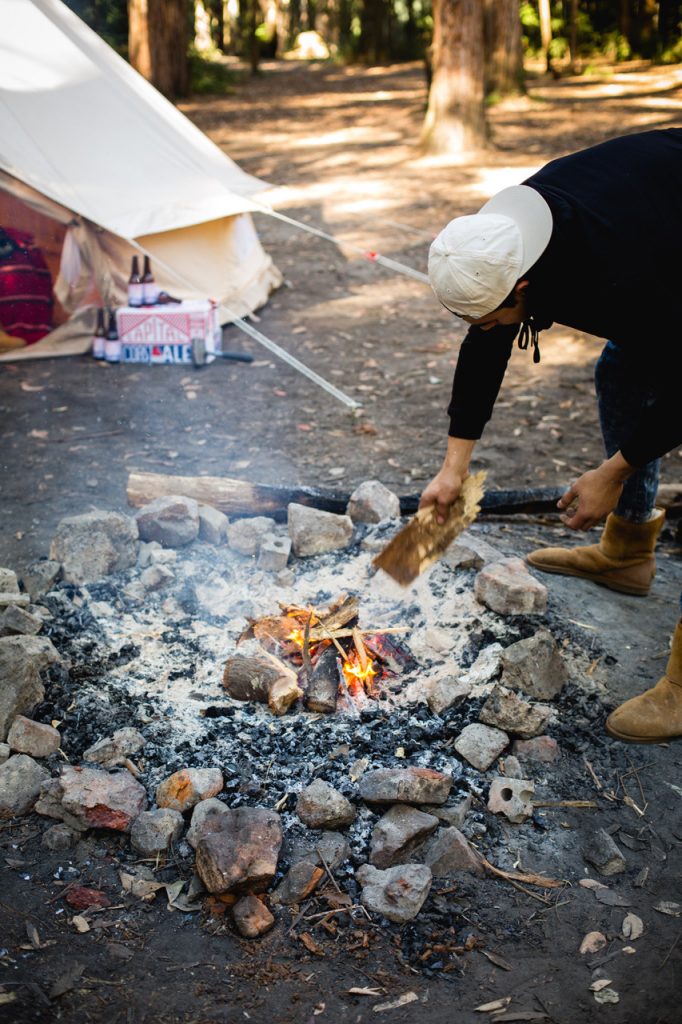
<point>163,334</point>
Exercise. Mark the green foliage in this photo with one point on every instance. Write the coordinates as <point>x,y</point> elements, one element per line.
<point>108,18</point>
<point>673,54</point>
<point>615,47</point>
<point>209,75</point>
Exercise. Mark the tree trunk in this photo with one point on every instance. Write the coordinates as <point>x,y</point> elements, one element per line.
<point>503,50</point>
<point>374,30</point>
<point>573,36</point>
<point>625,20</point>
<point>157,44</point>
<point>546,30</point>
<point>669,18</point>
<point>455,119</point>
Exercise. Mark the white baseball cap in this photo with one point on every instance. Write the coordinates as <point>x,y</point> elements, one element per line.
<point>475,261</point>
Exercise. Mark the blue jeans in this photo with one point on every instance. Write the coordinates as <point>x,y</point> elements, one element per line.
<point>622,395</point>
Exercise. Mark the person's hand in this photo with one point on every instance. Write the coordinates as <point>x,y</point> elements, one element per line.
<point>443,490</point>
<point>595,493</point>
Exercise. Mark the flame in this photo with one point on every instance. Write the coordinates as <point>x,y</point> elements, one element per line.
<point>355,674</point>
<point>296,637</point>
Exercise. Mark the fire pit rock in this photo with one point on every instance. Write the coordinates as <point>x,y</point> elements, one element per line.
<point>251,917</point>
<point>450,853</point>
<point>245,535</point>
<point>20,780</point>
<point>319,805</point>
<point>206,818</point>
<point>480,745</point>
<point>39,577</point>
<point>34,738</point>
<point>511,797</point>
<point>101,800</point>
<point>313,532</point>
<point>372,502</point>
<point>405,786</point>
<point>544,749</point>
<point>511,713</point>
<point>397,893</point>
<point>445,692</point>
<point>243,855</point>
<point>508,588</point>
<point>22,658</point>
<point>4,752</point>
<point>173,521</point>
<point>184,789</point>
<point>15,621</point>
<point>535,666</point>
<point>212,525</point>
<point>113,750</point>
<point>398,833</point>
<point>94,545</point>
<point>471,552</point>
<point>331,849</point>
<point>298,883</point>
<point>154,831</point>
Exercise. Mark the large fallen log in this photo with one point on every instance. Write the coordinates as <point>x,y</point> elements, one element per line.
<point>241,498</point>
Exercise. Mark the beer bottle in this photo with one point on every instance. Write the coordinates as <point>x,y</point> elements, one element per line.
<point>135,286</point>
<point>99,336</point>
<point>150,290</point>
<point>112,346</point>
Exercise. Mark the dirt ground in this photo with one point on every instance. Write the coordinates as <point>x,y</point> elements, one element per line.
<point>340,145</point>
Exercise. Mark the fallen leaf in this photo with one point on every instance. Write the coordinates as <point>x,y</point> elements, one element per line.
<point>310,944</point>
<point>601,983</point>
<point>139,887</point>
<point>25,386</point>
<point>497,960</point>
<point>669,908</point>
<point>364,992</point>
<point>318,1009</point>
<point>32,933</point>
<point>633,926</point>
<point>80,923</point>
<point>592,943</point>
<point>591,883</point>
<point>67,981</point>
<point>7,997</point>
<point>395,1004</point>
<point>629,950</point>
<point>611,899</point>
<point>497,1004</point>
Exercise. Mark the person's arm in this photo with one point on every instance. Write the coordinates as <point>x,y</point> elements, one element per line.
<point>481,366</point>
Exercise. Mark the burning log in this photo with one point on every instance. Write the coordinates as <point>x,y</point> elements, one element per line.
<point>255,674</point>
<point>323,686</point>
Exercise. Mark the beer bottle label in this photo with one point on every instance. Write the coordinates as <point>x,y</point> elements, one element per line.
<point>135,293</point>
<point>150,293</point>
<point>98,346</point>
<point>112,350</point>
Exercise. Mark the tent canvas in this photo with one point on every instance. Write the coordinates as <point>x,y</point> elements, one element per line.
<point>87,143</point>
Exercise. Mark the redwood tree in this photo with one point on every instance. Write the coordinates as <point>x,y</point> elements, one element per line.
<point>503,49</point>
<point>157,43</point>
<point>455,118</point>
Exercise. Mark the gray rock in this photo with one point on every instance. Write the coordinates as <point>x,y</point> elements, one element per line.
<point>20,780</point>
<point>212,525</point>
<point>319,805</point>
<point>94,545</point>
<point>113,750</point>
<point>511,797</point>
<point>40,577</point>
<point>511,713</point>
<point>453,814</point>
<point>206,818</point>
<point>485,668</point>
<point>372,502</point>
<point>173,521</point>
<point>398,834</point>
<point>397,893</point>
<point>15,621</point>
<point>251,917</point>
<point>512,767</point>
<point>8,581</point>
<point>144,554</point>
<point>243,854</point>
<point>101,800</point>
<point>541,748</point>
<point>508,588</point>
<point>480,745</point>
<point>332,846</point>
<point>14,599</point>
<point>405,786</point>
<point>49,804</point>
<point>4,752</point>
<point>35,738</point>
<point>299,883</point>
<point>450,853</point>
<point>446,692</point>
<point>22,658</point>
<point>471,552</point>
<point>534,665</point>
<point>154,832</point>
<point>245,535</point>
<point>602,851</point>
<point>313,532</point>
<point>156,576</point>
<point>273,553</point>
<point>59,838</point>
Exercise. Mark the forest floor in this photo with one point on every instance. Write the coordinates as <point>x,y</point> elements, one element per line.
<point>339,146</point>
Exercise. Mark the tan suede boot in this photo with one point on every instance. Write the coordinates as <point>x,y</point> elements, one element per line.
<point>623,559</point>
<point>654,716</point>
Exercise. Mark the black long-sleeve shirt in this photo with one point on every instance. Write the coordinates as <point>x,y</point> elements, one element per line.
<point>613,268</point>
